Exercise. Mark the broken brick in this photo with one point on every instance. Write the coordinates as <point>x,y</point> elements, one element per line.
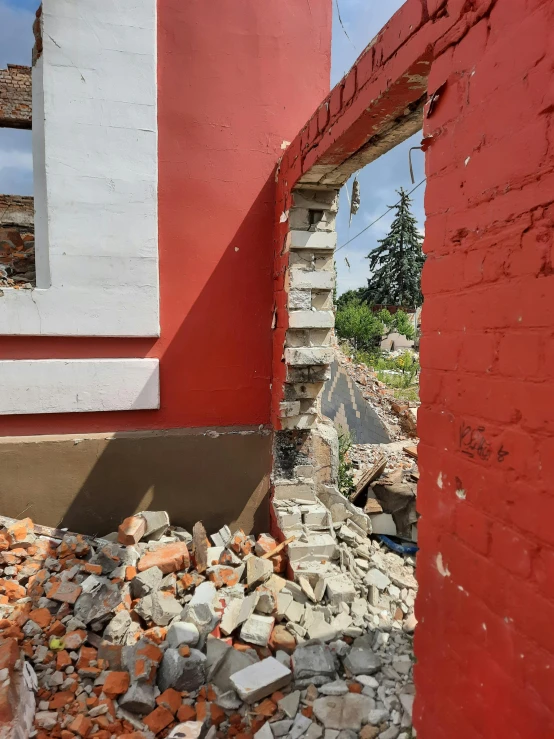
<point>169,558</point>
<point>116,683</point>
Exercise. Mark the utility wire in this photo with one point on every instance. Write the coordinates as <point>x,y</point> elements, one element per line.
<point>377,219</point>
<point>342,24</point>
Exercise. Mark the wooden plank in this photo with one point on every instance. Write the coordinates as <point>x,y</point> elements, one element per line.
<point>278,548</point>
<point>411,451</point>
<point>368,476</point>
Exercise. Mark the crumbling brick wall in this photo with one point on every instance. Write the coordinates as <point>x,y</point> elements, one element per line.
<point>17,240</point>
<point>484,645</point>
<point>15,97</point>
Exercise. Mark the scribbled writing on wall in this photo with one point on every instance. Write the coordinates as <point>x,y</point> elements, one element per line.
<point>474,444</point>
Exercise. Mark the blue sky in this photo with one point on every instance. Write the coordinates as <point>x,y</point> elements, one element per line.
<point>362,19</point>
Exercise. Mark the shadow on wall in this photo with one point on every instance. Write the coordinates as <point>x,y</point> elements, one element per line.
<point>193,474</point>
<point>215,369</point>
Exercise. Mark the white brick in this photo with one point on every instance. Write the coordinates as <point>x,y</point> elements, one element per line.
<point>313,239</point>
<point>300,299</point>
<point>319,337</point>
<point>303,421</point>
<point>316,515</point>
<point>295,491</point>
<point>322,300</point>
<point>289,408</point>
<point>288,518</point>
<point>322,199</point>
<point>316,279</point>
<point>305,356</point>
<point>307,389</point>
<point>257,629</point>
<point>311,319</point>
<point>318,546</point>
<point>260,679</point>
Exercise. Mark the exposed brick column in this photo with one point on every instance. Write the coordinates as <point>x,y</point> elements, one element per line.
<point>309,283</point>
<point>15,97</point>
<point>304,318</point>
<point>305,444</point>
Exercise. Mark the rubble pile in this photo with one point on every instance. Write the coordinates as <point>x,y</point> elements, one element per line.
<point>386,477</point>
<point>155,631</point>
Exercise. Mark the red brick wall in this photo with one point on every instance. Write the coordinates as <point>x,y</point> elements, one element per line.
<point>15,97</point>
<point>484,643</point>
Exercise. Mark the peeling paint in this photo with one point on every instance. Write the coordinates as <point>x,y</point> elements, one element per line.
<point>439,481</point>
<point>441,567</point>
<point>461,493</point>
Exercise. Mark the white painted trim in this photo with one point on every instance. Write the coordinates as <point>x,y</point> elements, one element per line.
<point>78,385</point>
<point>96,175</point>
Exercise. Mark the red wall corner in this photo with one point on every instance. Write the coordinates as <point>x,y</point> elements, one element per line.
<point>235,80</point>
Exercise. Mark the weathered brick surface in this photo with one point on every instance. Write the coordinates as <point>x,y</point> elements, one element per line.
<point>484,644</point>
<point>17,240</point>
<point>15,97</point>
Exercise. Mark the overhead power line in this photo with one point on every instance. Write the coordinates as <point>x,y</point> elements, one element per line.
<point>377,219</point>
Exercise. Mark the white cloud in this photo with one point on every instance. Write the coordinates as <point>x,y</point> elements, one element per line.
<point>20,159</point>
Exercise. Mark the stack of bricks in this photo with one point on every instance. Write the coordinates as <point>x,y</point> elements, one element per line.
<point>15,97</point>
<point>309,284</point>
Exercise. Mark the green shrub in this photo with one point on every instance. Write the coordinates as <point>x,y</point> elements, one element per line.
<point>346,477</point>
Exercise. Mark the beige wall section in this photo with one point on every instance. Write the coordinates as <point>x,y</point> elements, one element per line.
<point>89,483</point>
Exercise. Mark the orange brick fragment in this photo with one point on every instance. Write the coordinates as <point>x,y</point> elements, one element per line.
<point>186,713</point>
<point>158,719</point>
<point>41,617</point>
<point>59,700</point>
<point>201,710</point>
<point>266,708</point>
<point>12,590</point>
<point>170,699</point>
<point>224,576</point>
<point>116,683</point>
<point>217,714</point>
<point>131,530</point>
<point>73,639</point>
<point>63,659</point>
<point>81,725</point>
<point>169,558</point>
<point>66,592</point>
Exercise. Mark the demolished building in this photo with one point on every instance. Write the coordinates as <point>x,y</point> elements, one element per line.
<point>173,350</point>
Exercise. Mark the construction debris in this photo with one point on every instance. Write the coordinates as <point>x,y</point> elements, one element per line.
<point>132,639</point>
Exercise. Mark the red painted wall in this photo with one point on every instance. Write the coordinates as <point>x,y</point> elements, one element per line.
<point>484,643</point>
<point>234,81</point>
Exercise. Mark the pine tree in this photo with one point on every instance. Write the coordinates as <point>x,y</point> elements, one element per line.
<point>396,264</point>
